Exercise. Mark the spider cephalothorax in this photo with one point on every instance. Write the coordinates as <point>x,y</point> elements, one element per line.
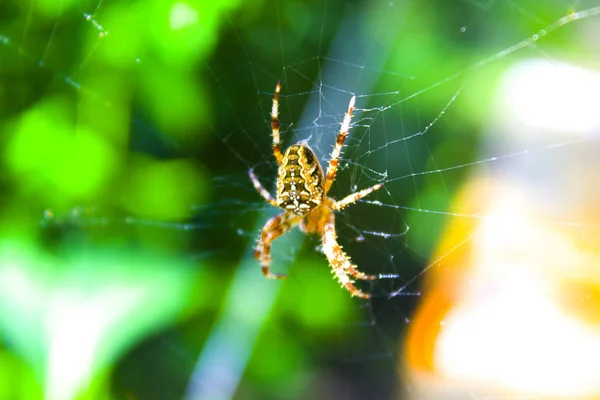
<point>302,192</point>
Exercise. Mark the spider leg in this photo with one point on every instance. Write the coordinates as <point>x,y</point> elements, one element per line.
<point>354,197</point>
<point>337,149</point>
<point>340,262</point>
<point>352,270</point>
<point>263,192</point>
<point>275,227</point>
<point>275,125</point>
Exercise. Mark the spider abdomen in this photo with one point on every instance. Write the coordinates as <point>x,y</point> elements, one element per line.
<point>300,181</point>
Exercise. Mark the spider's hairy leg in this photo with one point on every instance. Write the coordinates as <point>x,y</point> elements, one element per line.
<point>275,125</point>
<point>263,192</point>
<point>351,268</point>
<point>339,261</point>
<point>337,149</point>
<point>354,197</point>
<point>275,227</point>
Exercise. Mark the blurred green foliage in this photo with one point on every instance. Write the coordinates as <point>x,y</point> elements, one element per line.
<point>54,161</point>
<point>68,314</point>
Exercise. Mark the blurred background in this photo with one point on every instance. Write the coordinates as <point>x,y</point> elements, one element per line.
<point>128,221</point>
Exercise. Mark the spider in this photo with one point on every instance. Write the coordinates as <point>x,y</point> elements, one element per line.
<point>302,192</point>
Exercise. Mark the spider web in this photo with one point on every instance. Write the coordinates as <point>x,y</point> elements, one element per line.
<point>419,128</point>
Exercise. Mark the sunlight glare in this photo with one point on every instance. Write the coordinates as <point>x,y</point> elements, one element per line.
<point>512,307</point>
<point>182,15</point>
<point>547,95</point>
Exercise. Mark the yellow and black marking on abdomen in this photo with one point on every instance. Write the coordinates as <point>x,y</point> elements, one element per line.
<point>300,180</point>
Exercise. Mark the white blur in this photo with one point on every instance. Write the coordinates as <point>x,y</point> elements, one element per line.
<point>524,319</point>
